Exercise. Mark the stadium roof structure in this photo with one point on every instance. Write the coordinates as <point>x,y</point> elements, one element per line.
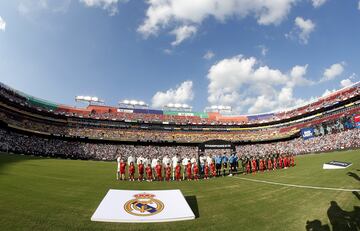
<point>185,107</point>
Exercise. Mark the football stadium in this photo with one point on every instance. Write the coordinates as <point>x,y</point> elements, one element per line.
<point>255,172</point>
<point>86,144</point>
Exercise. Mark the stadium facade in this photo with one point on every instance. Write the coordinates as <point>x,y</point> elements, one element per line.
<point>28,117</point>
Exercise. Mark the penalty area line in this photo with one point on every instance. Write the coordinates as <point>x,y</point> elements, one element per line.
<point>299,186</point>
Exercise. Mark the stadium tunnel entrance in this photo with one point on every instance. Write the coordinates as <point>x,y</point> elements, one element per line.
<point>217,144</point>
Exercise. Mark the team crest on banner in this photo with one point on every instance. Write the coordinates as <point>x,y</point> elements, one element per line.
<point>134,206</point>
<point>144,205</point>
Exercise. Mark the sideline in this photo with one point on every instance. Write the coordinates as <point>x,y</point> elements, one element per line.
<point>298,186</point>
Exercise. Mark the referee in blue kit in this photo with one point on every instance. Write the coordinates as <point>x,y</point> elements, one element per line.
<point>218,160</point>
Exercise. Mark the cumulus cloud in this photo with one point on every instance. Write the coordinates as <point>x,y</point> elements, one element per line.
<point>209,55</point>
<point>182,33</point>
<point>302,30</point>
<point>318,3</point>
<point>297,76</point>
<point>110,5</point>
<point>183,93</point>
<point>2,24</point>
<point>346,82</point>
<point>242,83</point>
<point>332,72</point>
<point>170,14</point>
<point>328,92</point>
<point>359,5</point>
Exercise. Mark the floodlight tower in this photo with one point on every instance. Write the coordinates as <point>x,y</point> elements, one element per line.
<point>219,108</point>
<point>91,100</point>
<point>133,103</point>
<point>177,107</point>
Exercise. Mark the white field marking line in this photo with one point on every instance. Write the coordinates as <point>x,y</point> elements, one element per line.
<point>299,186</point>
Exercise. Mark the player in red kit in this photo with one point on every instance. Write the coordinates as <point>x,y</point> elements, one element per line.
<point>288,161</point>
<point>261,165</point>
<point>188,171</point>
<point>280,162</point>
<point>167,172</point>
<point>269,164</point>
<point>131,171</point>
<point>248,169</point>
<point>196,171</point>
<point>178,172</point>
<point>253,166</point>
<point>213,169</point>
<point>274,163</point>
<point>141,170</point>
<point>122,170</point>
<point>158,169</point>
<point>292,161</point>
<point>206,170</point>
<point>149,173</point>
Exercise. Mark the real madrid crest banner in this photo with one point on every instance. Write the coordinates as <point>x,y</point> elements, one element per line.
<point>143,206</point>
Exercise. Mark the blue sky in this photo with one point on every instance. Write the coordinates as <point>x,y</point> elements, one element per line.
<point>251,55</point>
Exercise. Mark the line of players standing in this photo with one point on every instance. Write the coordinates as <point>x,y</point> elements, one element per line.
<point>192,169</point>
<point>253,165</point>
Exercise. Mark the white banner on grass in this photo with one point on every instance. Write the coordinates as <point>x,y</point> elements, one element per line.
<point>143,206</point>
<point>336,165</point>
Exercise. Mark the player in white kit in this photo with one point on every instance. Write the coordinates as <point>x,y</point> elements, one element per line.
<point>174,161</point>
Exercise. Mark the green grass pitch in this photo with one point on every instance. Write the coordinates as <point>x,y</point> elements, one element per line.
<point>55,194</point>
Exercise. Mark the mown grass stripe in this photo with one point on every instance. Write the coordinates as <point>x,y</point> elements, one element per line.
<point>299,186</point>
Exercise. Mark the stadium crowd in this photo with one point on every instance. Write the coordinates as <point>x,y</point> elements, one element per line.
<point>127,134</point>
<point>20,143</point>
<point>334,122</point>
<point>54,147</point>
<point>9,94</point>
<point>336,141</point>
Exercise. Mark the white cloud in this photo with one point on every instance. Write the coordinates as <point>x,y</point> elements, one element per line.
<point>241,83</point>
<point>359,5</point>
<point>328,92</point>
<point>346,82</point>
<point>169,14</point>
<point>332,72</point>
<point>110,5</point>
<point>209,55</point>
<point>2,24</point>
<point>297,76</point>
<point>182,33</point>
<point>181,94</point>
<point>302,30</point>
<point>349,81</point>
<point>318,3</point>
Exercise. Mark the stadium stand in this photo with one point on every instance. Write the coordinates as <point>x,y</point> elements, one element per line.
<point>36,126</point>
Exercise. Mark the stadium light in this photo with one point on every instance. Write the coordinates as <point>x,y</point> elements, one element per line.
<point>218,108</point>
<point>133,103</point>
<point>89,99</point>
<point>177,107</point>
